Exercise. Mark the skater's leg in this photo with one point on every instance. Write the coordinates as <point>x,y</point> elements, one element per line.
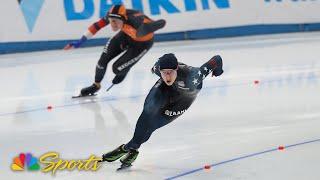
<point>113,48</point>
<point>122,150</point>
<point>133,54</point>
<point>142,132</point>
<point>145,127</point>
<point>150,116</point>
<point>156,116</point>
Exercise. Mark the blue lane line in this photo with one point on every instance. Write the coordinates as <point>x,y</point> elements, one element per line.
<point>239,158</point>
<point>105,99</point>
<point>102,99</point>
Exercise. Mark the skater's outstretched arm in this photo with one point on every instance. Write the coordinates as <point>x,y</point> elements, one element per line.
<point>95,27</point>
<point>213,66</point>
<point>142,24</point>
<point>149,26</point>
<point>92,30</point>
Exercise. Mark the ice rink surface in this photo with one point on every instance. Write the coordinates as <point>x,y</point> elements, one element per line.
<point>235,125</point>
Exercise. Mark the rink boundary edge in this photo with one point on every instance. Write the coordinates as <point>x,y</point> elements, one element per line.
<point>15,47</point>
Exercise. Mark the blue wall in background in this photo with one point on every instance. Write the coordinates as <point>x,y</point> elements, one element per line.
<point>14,47</point>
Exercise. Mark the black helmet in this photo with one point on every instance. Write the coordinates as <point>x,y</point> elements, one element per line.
<point>168,61</point>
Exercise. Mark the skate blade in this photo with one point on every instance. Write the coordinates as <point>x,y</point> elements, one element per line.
<point>124,167</point>
<point>81,96</point>
<point>110,87</point>
<point>102,160</point>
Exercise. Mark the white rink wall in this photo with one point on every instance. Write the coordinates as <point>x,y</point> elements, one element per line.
<point>29,25</point>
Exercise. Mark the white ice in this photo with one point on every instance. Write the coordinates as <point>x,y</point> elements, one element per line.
<point>232,116</point>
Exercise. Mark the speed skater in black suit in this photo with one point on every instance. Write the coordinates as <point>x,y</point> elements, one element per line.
<point>168,99</point>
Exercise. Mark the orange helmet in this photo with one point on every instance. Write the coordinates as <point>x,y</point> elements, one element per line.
<point>117,11</point>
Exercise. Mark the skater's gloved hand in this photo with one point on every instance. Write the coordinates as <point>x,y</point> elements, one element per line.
<point>216,63</point>
<point>217,72</point>
<point>75,44</point>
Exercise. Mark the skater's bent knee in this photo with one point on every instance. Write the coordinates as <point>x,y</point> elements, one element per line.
<point>115,69</point>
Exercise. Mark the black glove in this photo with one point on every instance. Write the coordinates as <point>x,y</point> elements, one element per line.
<point>216,61</point>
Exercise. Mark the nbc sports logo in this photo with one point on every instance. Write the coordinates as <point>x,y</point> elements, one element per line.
<point>25,161</point>
<point>52,163</point>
